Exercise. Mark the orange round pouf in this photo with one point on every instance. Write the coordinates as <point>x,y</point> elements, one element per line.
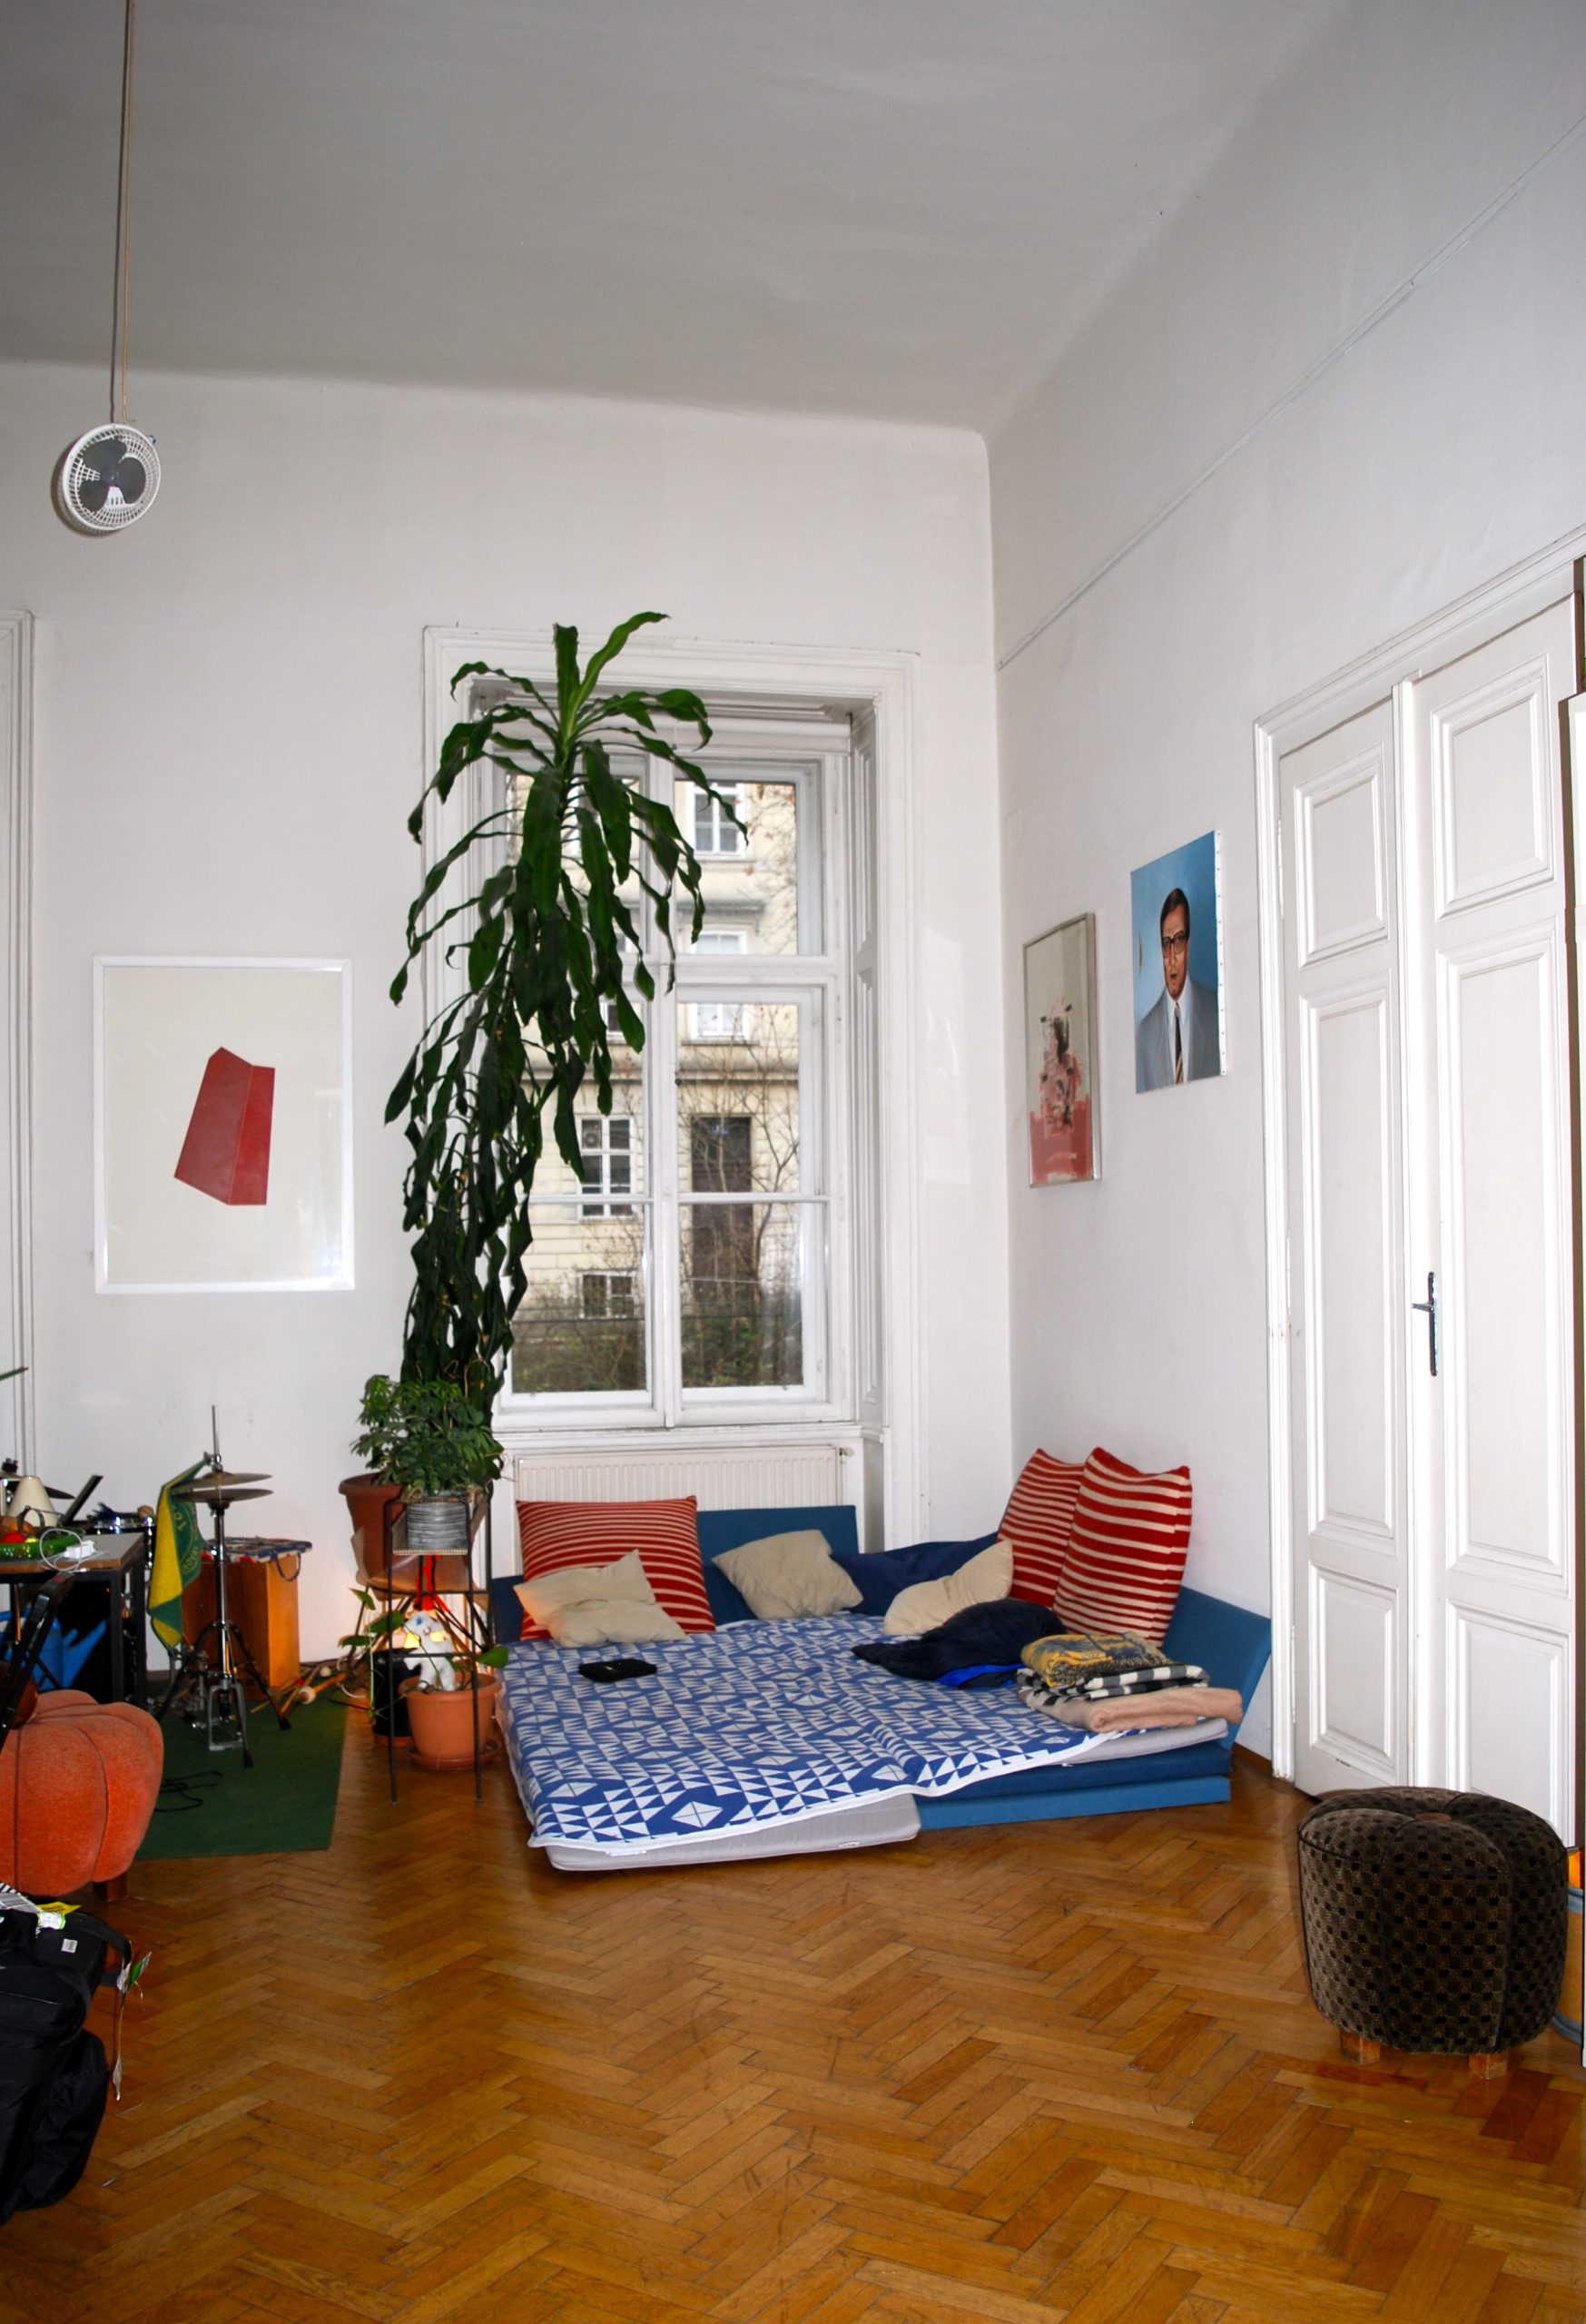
<point>77,1787</point>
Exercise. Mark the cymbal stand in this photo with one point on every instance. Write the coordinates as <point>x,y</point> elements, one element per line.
<point>223,1683</point>
<point>234,1661</point>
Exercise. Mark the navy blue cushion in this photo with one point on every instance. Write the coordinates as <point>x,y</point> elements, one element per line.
<point>882,1575</point>
<point>506,1607</point>
<point>998,1632</point>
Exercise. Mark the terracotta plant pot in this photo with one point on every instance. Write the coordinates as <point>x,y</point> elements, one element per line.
<point>367,1497</point>
<point>441,1723</point>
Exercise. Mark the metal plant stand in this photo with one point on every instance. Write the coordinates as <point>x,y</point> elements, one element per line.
<point>469,1633</point>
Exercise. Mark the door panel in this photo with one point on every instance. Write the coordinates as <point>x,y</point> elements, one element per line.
<point>1508,1712</point>
<point>1489,756</point>
<point>1354,1675</point>
<point>1506,1399</point>
<point>1350,1267</point>
<point>1341,898</point>
<point>1494,1435</point>
<point>1347,1241</point>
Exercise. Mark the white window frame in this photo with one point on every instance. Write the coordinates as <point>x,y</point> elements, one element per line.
<point>880,693</point>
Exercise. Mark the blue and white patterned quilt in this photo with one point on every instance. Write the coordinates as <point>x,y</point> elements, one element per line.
<point>759,1724</point>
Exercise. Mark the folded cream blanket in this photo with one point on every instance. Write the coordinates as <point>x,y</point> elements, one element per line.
<point>1166,1706</point>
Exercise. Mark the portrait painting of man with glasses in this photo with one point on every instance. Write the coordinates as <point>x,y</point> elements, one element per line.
<point>1177,1019</point>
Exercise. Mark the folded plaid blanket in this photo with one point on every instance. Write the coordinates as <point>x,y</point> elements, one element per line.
<point>1059,1656</point>
<point>1081,1666</point>
<point>1067,1658</point>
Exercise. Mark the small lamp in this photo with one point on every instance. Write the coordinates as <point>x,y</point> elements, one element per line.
<point>30,1505</point>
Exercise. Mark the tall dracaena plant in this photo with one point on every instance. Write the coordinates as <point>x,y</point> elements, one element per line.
<point>547,941</point>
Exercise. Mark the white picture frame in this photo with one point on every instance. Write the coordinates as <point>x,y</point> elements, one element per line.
<point>1177,901</point>
<point>1060,1090</point>
<point>158,1023</point>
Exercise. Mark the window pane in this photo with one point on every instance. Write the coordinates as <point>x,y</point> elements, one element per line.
<point>518,786</point>
<point>751,875</point>
<point>715,831</point>
<point>580,1330</point>
<point>742,1295</point>
<point>610,1143</point>
<point>718,1021</point>
<point>738,1062</point>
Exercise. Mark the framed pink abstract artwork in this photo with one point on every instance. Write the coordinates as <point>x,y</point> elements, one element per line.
<point>223,1124</point>
<point>1059,1054</point>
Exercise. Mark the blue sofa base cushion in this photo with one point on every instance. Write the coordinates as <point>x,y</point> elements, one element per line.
<point>1147,1787</point>
<point>1230,1643</point>
<point>1190,1762</point>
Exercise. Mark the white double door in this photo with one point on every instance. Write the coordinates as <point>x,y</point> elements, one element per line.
<point>1432,1254</point>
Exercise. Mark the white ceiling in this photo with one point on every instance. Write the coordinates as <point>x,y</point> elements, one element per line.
<point>896,207</point>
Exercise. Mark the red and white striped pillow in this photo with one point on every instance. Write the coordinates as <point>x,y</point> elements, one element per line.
<point>557,1534</point>
<point>1037,1520</point>
<point>1127,1548</point>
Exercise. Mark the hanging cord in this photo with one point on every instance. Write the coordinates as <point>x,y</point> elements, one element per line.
<point>123,225</point>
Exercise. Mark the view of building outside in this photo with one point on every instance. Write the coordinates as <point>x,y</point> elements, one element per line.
<point>581,1329</point>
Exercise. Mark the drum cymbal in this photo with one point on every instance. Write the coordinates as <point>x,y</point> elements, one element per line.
<point>226,1485</point>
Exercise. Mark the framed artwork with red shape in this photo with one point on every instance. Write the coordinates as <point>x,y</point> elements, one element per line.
<point>223,1157</point>
<point>1059,1054</point>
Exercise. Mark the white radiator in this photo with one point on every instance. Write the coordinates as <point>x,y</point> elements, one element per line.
<point>780,1476</point>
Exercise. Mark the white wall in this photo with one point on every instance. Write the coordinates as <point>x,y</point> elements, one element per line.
<point>1447,445</point>
<point>227,744</point>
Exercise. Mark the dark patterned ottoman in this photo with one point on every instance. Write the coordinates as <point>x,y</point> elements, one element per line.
<point>1433,1921</point>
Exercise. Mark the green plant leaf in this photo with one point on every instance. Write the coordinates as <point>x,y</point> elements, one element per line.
<point>545,942</point>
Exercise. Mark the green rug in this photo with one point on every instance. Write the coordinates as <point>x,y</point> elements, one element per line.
<point>212,1804</point>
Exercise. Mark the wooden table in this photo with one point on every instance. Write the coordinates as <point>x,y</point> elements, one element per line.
<point>121,1560</point>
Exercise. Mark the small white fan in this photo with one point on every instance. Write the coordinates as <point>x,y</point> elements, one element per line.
<point>107,479</point>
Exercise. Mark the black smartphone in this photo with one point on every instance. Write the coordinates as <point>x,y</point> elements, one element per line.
<point>606,1673</point>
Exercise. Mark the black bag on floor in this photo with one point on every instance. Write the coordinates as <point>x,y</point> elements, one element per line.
<point>54,2078</point>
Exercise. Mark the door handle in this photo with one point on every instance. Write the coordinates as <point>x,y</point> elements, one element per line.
<point>1428,1307</point>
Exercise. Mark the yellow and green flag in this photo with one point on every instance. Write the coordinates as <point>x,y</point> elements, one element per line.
<point>178,1546</point>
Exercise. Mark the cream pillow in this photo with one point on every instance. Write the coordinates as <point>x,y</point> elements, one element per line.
<point>612,1621</point>
<point>989,1575</point>
<point>790,1574</point>
<point>597,1605</point>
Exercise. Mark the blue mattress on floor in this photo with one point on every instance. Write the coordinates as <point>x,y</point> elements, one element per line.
<point>759,1724</point>
<point>628,1801</point>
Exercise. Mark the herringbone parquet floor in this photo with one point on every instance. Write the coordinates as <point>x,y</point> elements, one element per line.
<point>1049,2071</point>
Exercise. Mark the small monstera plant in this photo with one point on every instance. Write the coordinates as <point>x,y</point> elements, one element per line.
<point>550,945</point>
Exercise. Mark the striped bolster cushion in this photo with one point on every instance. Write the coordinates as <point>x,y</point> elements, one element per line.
<point>560,1533</point>
<point>1037,1520</point>
<point>1126,1549</point>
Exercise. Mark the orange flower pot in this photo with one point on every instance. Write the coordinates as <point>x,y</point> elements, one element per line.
<point>441,1725</point>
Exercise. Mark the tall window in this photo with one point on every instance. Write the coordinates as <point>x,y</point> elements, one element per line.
<point>698,1267</point>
